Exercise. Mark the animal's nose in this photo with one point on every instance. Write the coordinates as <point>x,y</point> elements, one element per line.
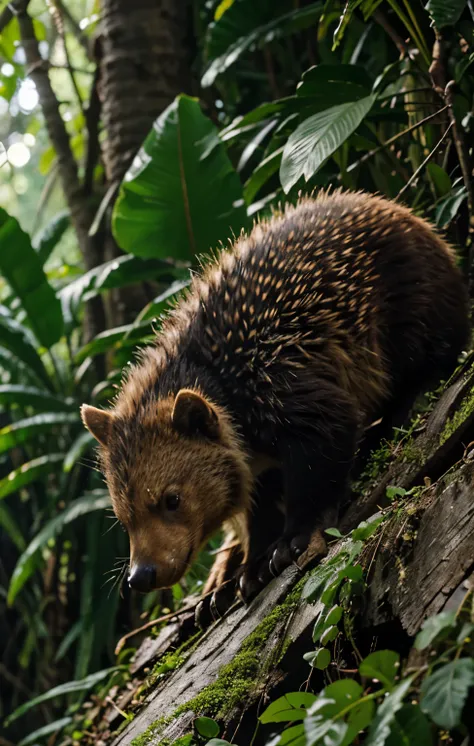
<point>142,578</point>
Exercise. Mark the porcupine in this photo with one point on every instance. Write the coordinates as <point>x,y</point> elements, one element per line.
<point>285,347</point>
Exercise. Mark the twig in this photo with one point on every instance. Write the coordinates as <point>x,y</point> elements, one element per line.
<point>74,26</point>
<point>57,13</point>
<point>393,139</point>
<point>382,20</point>
<point>420,168</point>
<point>165,618</point>
<point>445,89</point>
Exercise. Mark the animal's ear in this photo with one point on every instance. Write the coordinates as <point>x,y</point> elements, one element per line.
<point>98,422</point>
<point>193,415</point>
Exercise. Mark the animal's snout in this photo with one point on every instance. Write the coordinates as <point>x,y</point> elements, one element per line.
<point>142,578</point>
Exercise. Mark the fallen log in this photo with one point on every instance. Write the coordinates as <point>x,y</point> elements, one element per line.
<point>420,561</point>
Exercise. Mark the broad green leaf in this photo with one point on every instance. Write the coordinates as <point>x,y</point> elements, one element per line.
<point>444,693</point>
<point>394,492</point>
<point>19,432</point>
<point>382,724</point>
<point>448,207</point>
<point>366,529</point>
<point>163,208</point>
<point>329,635</point>
<point>320,658</point>
<point>329,85</point>
<point>383,666</point>
<point>334,532</point>
<point>48,239</point>
<point>336,697</point>
<point>334,615</point>
<point>9,524</point>
<point>96,500</point>
<point>28,472</point>
<point>22,268</point>
<point>37,735</point>
<point>433,626</point>
<point>121,336</point>
<point>441,180</point>
<point>292,706</point>
<point>410,728</point>
<point>19,340</point>
<point>206,727</point>
<point>327,733</point>
<point>292,736</point>
<point>223,48</point>
<point>82,685</point>
<point>117,273</point>
<point>359,718</point>
<point>217,742</point>
<point>15,368</point>
<point>31,396</point>
<point>318,137</point>
<point>445,12</point>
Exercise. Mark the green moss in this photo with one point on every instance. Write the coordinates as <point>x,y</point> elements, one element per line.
<point>173,660</point>
<point>236,679</point>
<point>464,410</point>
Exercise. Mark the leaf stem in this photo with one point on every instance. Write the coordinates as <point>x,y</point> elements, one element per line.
<point>420,168</point>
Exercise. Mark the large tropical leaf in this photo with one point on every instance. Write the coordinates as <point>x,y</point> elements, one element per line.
<point>323,86</point>
<point>318,137</point>
<point>118,337</point>
<point>31,396</point>
<point>29,472</point>
<point>119,272</point>
<point>50,236</point>
<point>444,693</point>
<point>9,524</point>
<point>97,500</point>
<point>19,340</point>
<point>22,268</point>
<point>237,32</point>
<point>19,432</point>
<point>445,12</point>
<point>181,196</point>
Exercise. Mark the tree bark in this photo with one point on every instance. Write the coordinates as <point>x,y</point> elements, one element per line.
<point>144,61</point>
<point>144,64</point>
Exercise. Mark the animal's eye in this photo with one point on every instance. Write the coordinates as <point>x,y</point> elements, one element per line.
<point>172,500</point>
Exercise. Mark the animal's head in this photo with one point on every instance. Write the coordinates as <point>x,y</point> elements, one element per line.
<point>175,471</point>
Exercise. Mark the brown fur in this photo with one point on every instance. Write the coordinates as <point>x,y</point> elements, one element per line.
<point>291,342</point>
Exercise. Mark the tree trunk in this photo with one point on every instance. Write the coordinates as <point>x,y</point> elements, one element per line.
<point>144,63</point>
<point>420,562</point>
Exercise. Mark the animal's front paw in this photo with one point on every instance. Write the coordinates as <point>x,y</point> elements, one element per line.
<point>215,605</point>
<point>300,550</point>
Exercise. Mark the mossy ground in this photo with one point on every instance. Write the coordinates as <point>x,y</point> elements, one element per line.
<point>464,410</point>
<point>236,679</point>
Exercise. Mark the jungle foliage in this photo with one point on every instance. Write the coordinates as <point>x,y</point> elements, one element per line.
<point>293,96</point>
